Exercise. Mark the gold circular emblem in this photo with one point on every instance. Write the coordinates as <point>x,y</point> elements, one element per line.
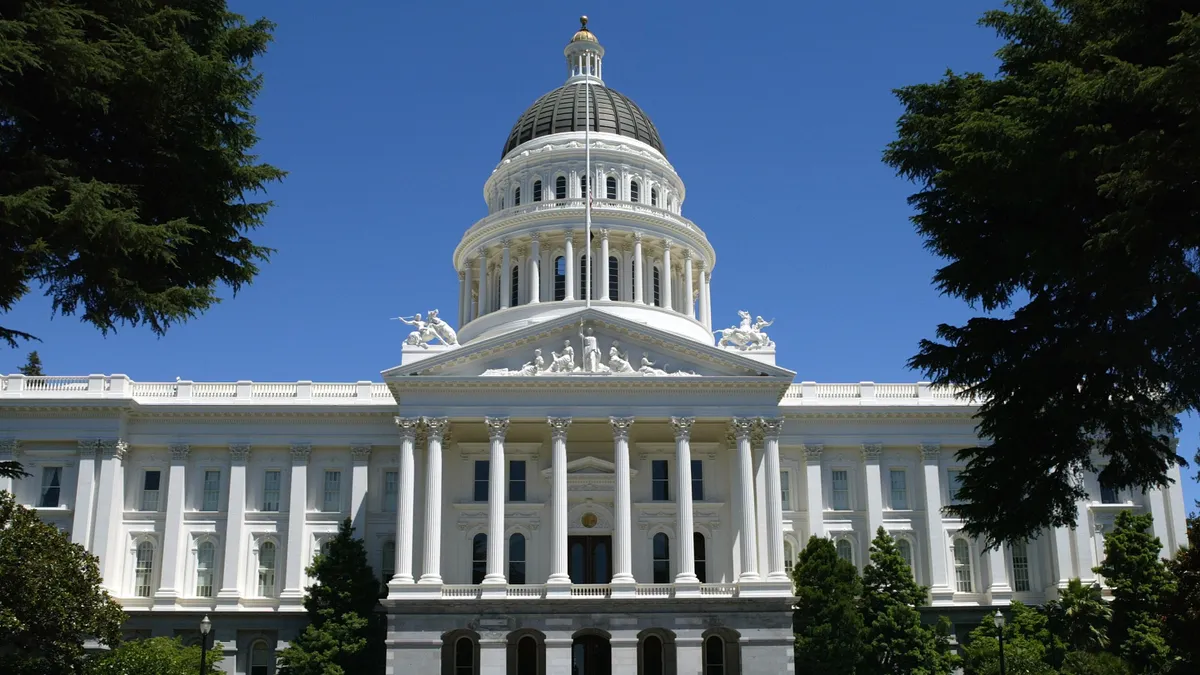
<point>589,520</point>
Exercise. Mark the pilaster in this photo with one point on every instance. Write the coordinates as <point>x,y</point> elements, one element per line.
<point>108,545</point>
<point>871,454</point>
<point>360,456</point>
<point>235,526</point>
<point>168,587</point>
<point>940,590</point>
<point>813,485</point>
<point>293,585</point>
<point>85,492</point>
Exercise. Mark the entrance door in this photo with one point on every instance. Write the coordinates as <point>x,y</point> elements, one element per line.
<point>591,655</point>
<point>590,559</point>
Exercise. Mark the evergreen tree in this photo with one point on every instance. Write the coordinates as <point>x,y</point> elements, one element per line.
<point>1095,663</point>
<point>828,623</point>
<point>345,634</point>
<point>155,656</point>
<point>1027,645</point>
<point>33,365</point>
<point>895,640</point>
<point>1080,617</point>
<point>1183,606</point>
<point>1089,277</point>
<point>1141,586</point>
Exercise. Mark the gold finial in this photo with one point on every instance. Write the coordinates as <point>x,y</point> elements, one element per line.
<point>583,33</point>
<point>583,22</point>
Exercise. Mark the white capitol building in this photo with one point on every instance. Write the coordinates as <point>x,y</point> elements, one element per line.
<point>568,485</point>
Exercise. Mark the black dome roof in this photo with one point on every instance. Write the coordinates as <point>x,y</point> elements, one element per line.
<point>564,109</point>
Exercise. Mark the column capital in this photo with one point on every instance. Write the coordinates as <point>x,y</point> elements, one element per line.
<point>569,233</point>
<point>771,426</point>
<point>872,451</point>
<point>637,237</point>
<point>436,428</point>
<point>482,250</point>
<point>116,448</point>
<point>687,255</point>
<point>703,264</point>
<point>86,448</point>
<point>462,276</point>
<point>408,426</point>
<point>12,447</point>
<point>179,451</point>
<point>558,426</point>
<point>812,451</point>
<point>301,452</point>
<point>239,452</point>
<point>683,427</point>
<point>930,450</point>
<point>666,244</point>
<point>360,452</point>
<point>536,238</point>
<point>497,427</point>
<point>742,427</point>
<point>620,427</point>
<point>505,242</point>
<point>603,233</point>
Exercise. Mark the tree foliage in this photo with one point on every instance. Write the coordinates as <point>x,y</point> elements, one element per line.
<point>155,656</point>
<point>1080,617</point>
<point>828,624</point>
<point>1063,196</point>
<point>1141,587</point>
<point>1183,607</point>
<point>345,634</point>
<point>50,598</point>
<point>33,365</point>
<point>125,165</point>
<point>1027,642</point>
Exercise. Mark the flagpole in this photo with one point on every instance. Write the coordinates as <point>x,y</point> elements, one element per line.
<point>587,205</point>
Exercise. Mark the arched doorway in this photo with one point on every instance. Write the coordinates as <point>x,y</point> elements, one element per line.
<point>591,654</point>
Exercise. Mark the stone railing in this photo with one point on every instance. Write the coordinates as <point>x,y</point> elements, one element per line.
<point>586,591</point>
<point>871,393</point>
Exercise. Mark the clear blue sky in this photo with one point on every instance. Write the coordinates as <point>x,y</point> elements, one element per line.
<point>389,117</point>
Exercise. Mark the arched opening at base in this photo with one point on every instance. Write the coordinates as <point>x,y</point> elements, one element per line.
<point>591,654</point>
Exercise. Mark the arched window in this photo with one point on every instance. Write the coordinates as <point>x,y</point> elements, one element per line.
<point>517,196</point>
<point>844,550</point>
<point>515,293</point>
<point>1020,566</point>
<point>526,652</point>
<point>537,190</point>
<point>635,190</point>
<point>657,290</point>
<point>583,276</point>
<point>502,203</point>
<point>904,548</point>
<point>962,566</point>
<point>614,278</point>
<point>560,278</point>
<point>789,557</point>
<point>652,656</point>
<point>463,655</point>
<point>143,575</point>
<point>610,188</point>
<point>560,187</point>
<point>714,656</point>
<point>662,558</point>
<point>516,559</point>
<point>206,556</point>
<point>260,658</point>
<point>478,558</point>
<point>656,652</point>
<point>653,196</point>
<point>266,569</point>
<point>701,557</point>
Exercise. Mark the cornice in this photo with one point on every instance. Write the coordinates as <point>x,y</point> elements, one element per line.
<point>299,416</point>
<point>883,413</point>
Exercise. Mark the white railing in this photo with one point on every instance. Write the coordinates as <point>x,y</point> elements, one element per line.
<point>155,390</point>
<point>838,391</point>
<point>525,591</point>
<point>329,390</point>
<point>461,591</point>
<point>870,394</point>
<point>653,590</point>
<point>895,391</point>
<point>718,590</point>
<point>214,390</point>
<point>590,590</point>
<point>55,383</point>
<point>380,390</point>
<point>274,390</point>
<point>593,591</point>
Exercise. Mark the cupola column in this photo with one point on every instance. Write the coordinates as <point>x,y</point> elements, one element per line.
<point>482,299</point>
<point>535,273</point>
<point>666,274</point>
<point>639,286</point>
<point>505,273</point>
<point>569,263</point>
<point>602,292</point>
<point>689,294</point>
<point>468,310</point>
<point>462,295</point>
<point>705,310</point>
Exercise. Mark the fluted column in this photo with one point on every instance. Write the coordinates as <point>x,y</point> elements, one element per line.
<point>535,272</point>
<point>505,273</point>
<point>771,429</point>
<point>431,569</point>
<point>360,456</point>
<point>569,263</point>
<point>404,506</point>
<point>748,551</point>
<point>683,500</point>
<point>462,294</point>
<point>235,524</point>
<point>497,427</point>
<point>481,301</point>
<point>602,293</point>
<point>85,493</point>
<point>623,508</point>
<point>665,277</point>
<point>812,480</point>
<point>639,273</point>
<point>468,311</point>
<point>1084,533</point>
<point>874,479</point>
<point>558,500</point>
<point>293,585</point>
<point>110,504</point>
<point>168,584</point>
<point>689,295</point>
<point>708,299</point>
<point>705,311</point>
<point>939,588</point>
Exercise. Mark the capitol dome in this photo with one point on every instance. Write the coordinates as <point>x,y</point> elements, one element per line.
<point>565,109</point>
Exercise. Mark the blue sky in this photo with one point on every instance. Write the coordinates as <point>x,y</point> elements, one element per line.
<point>389,117</point>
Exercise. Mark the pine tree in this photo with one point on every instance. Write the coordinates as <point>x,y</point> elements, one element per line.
<point>33,365</point>
<point>895,640</point>
<point>1183,606</point>
<point>828,623</point>
<point>1141,585</point>
<point>1027,644</point>
<point>345,634</point>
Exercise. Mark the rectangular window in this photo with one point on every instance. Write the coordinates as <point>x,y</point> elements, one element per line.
<point>899,479</point>
<point>659,481</point>
<point>150,485</point>
<point>51,486</point>
<point>333,492</point>
<point>212,491</point>
<point>785,489</point>
<point>697,480</point>
<point>516,480</point>
<point>270,499</point>
<point>953,485</point>
<point>482,469</point>
<point>840,495</point>
<point>1020,567</point>
<point>1109,494</point>
<point>391,491</point>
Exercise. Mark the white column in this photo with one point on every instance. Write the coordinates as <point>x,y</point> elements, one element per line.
<point>110,505</point>
<point>535,274</point>
<point>431,569</point>
<point>558,500</point>
<point>481,301</point>
<point>939,588</point>
<point>708,299</point>
<point>602,293</point>
<point>85,494</point>
<point>1085,545</point>
<point>999,590</point>
<point>359,472</point>
<point>1064,565</point>
<point>705,317</point>
<point>689,295</point>
<point>814,489</point>
<point>497,427</point>
<point>462,294</point>
<point>468,311</point>
<point>293,583</point>
<point>569,263</point>
<point>1156,503</point>
<point>748,551</point>
<point>168,583</point>
<point>405,501</point>
<point>665,277</point>
<point>505,273</point>
<point>10,449</point>
<point>760,499</point>
<point>639,273</point>
<point>235,522</point>
<point>683,500</point>
<point>771,429</point>
<point>623,508</point>
<point>874,479</point>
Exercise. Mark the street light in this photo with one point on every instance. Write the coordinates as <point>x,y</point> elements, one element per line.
<point>205,627</point>
<point>998,619</point>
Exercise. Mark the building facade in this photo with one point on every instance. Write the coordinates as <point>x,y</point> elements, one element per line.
<point>583,478</point>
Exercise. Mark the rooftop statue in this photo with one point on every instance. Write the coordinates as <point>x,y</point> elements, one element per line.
<point>428,331</point>
<point>747,335</point>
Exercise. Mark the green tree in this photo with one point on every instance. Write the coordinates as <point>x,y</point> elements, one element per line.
<point>1062,195</point>
<point>33,365</point>
<point>895,641</point>
<point>345,634</point>
<point>828,624</point>
<point>126,172</point>
<point>1028,644</point>
<point>155,656</point>
<point>1095,663</point>
<point>1183,606</point>
<point>50,599</point>
<point>1080,617</point>
<point>1141,585</point>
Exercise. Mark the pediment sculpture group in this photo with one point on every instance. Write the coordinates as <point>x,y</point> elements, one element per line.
<point>592,363</point>
<point>747,335</point>
<point>428,330</point>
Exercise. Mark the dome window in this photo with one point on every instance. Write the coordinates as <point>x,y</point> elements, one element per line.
<point>583,275</point>
<point>514,295</point>
<point>537,190</point>
<point>614,278</point>
<point>635,191</point>
<point>517,196</point>
<point>560,187</point>
<point>657,288</point>
<point>583,188</point>
<point>560,278</point>
<point>653,196</point>
<point>610,188</point>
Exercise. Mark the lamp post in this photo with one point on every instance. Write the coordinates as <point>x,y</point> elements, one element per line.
<point>205,628</point>
<point>998,619</point>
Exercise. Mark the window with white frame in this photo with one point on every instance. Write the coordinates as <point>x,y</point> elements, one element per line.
<point>840,494</point>
<point>332,502</point>
<point>1020,566</point>
<point>391,491</point>
<point>482,469</point>
<point>845,550</point>
<point>962,566</point>
<point>51,487</point>
<point>789,556</point>
<point>212,491</point>
<point>270,496</point>
<point>635,191</point>
<point>660,480</point>
<point>904,548</point>
<point>261,659</point>
<point>1109,494</point>
<point>516,558</point>
<point>698,480</point>
<point>143,569</point>
<point>537,190</point>
<point>653,196</point>
<point>517,196</point>
<point>151,482</point>
<point>560,187</point>
<point>266,569</point>
<point>661,560</point>
<point>954,485</point>
<point>785,489</point>
<point>516,480</point>
<point>206,558</point>
<point>899,484</point>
